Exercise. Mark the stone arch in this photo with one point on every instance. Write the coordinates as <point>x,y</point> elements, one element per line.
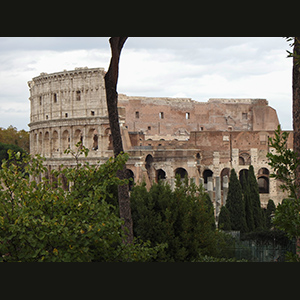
<point>55,145</point>
<point>65,140</point>
<point>263,171</point>
<point>207,173</point>
<point>78,136</point>
<point>244,159</point>
<point>181,172</point>
<point>241,161</point>
<point>130,174</point>
<point>160,175</point>
<point>47,143</point>
<point>93,139</point>
<point>35,143</point>
<point>263,185</point>
<point>40,142</point>
<point>198,158</point>
<point>95,142</point>
<point>224,172</point>
<point>149,167</point>
<point>148,161</point>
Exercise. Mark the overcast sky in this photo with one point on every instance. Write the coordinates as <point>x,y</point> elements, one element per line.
<point>195,67</point>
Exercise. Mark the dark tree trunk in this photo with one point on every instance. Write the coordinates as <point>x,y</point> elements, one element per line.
<point>296,106</point>
<point>111,79</point>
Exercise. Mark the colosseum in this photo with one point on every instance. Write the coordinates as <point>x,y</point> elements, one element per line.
<point>163,136</point>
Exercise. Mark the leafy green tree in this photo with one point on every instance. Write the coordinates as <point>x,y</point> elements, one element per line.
<point>224,219</point>
<point>5,147</point>
<point>180,218</point>
<point>248,203</point>
<point>255,199</point>
<point>12,136</point>
<point>271,208</point>
<point>284,163</point>
<point>41,223</point>
<point>235,204</point>
<point>210,209</point>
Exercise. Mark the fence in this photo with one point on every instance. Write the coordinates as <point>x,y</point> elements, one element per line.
<point>255,251</point>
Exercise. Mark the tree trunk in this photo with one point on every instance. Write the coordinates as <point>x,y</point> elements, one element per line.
<point>296,106</point>
<point>296,118</point>
<point>111,79</point>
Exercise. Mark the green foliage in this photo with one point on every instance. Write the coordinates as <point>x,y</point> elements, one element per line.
<point>243,204</point>
<point>235,204</point>
<point>248,203</point>
<point>40,221</point>
<point>224,219</point>
<point>181,218</point>
<point>271,208</point>
<point>5,147</point>
<point>207,258</point>
<point>284,162</point>
<point>12,136</point>
<point>255,199</point>
<point>293,54</point>
<point>287,217</point>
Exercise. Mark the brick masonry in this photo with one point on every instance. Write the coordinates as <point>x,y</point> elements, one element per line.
<point>164,136</point>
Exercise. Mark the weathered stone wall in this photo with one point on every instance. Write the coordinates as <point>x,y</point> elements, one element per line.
<point>172,118</point>
<point>164,136</point>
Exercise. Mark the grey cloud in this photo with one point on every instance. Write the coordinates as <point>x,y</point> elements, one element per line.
<point>52,43</point>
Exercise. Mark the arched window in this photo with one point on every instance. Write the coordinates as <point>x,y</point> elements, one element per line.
<point>160,175</point>
<point>181,172</point>
<point>244,159</point>
<point>92,142</point>
<point>198,158</point>
<point>241,161</point>
<point>148,161</point>
<point>77,136</point>
<point>95,142</point>
<point>46,144</point>
<point>130,175</point>
<point>55,146</point>
<point>263,185</point>
<point>78,95</point>
<point>263,171</point>
<point>225,172</point>
<point>207,173</point>
<point>40,144</point>
<point>65,140</point>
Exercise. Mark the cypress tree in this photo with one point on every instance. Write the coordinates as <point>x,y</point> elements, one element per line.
<point>248,204</point>
<point>235,204</point>
<point>270,211</point>
<point>254,196</point>
<point>224,219</point>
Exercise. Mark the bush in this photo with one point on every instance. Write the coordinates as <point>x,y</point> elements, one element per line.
<point>43,222</point>
<point>181,218</point>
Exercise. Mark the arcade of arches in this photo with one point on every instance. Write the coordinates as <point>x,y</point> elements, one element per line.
<point>163,136</point>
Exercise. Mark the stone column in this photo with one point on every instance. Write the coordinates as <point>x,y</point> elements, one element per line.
<point>210,188</point>
<point>201,182</point>
<point>225,188</point>
<point>235,157</point>
<point>218,196</point>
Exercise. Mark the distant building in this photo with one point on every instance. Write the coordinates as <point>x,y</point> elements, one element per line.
<point>164,136</point>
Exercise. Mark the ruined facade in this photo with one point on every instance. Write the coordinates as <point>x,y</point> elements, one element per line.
<point>164,136</point>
